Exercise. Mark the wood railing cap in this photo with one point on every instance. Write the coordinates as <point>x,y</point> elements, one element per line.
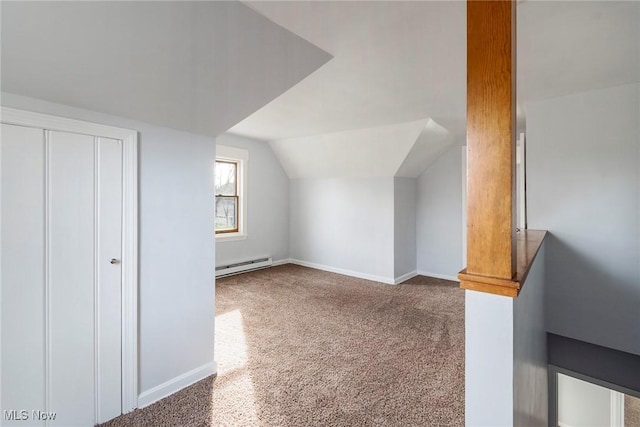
<point>528,243</point>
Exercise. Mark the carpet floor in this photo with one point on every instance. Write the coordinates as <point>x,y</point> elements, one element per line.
<point>631,411</point>
<point>302,347</point>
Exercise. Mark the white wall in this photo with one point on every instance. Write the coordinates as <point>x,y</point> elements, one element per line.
<point>268,206</point>
<point>345,224</point>
<point>506,355</point>
<point>439,216</point>
<point>583,185</point>
<point>176,244</point>
<point>404,198</point>
<point>489,351</point>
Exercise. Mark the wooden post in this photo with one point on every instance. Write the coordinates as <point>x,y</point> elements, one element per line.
<point>491,141</point>
<point>491,138</point>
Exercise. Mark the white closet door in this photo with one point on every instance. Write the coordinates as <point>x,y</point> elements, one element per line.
<point>71,277</point>
<point>109,286</point>
<point>61,275</point>
<point>22,266</point>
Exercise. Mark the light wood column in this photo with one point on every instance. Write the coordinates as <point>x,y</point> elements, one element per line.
<point>491,141</point>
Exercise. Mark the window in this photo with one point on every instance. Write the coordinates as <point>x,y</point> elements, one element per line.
<point>230,193</point>
<point>226,196</point>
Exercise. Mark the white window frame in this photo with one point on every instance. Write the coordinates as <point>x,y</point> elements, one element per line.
<point>241,157</point>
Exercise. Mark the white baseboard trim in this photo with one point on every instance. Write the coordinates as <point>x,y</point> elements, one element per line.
<point>438,276</point>
<point>359,275</point>
<point>405,277</point>
<point>365,276</point>
<point>167,388</point>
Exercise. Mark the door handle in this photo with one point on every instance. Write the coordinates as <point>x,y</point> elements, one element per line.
<point>114,261</point>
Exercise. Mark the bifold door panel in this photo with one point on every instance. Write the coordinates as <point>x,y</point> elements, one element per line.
<point>61,294</point>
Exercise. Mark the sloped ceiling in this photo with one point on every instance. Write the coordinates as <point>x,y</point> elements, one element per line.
<point>397,62</point>
<point>378,151</point>
<point>567,47</point>
<point>431,143</point>
<point>206,67</point>
<point>403,150</point>
<point>195,66</point>
<point>394,62</point>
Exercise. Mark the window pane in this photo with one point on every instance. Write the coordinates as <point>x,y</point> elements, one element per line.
<point>226,178</point>
<point>226,217</point>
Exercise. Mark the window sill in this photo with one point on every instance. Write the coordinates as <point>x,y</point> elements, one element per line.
<point>230,237</point>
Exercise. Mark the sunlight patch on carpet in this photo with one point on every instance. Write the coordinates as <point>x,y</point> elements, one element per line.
<point>231,345</point>
<point>234,394</point>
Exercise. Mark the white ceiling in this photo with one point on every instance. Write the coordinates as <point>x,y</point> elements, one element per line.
<point>195,66</point>
<point>431,143</point>
<point>331,74</point>
<point>400,61</point>
<point>354,153</point>
<point>573,46</point>
<point>394,62</point>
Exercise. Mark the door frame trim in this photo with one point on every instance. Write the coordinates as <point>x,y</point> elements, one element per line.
<point>129,138</point>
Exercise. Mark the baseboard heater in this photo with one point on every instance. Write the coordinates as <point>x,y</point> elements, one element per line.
<point>241,267</point>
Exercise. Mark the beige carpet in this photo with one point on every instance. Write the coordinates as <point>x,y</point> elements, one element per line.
<point>302,347</point>
<point>631,411</point>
